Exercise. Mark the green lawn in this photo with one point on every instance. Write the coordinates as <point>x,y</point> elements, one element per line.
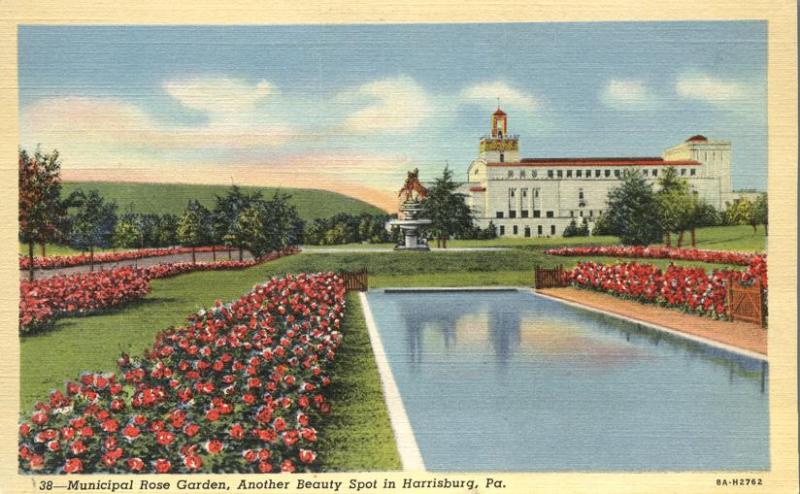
<point>739,238</point>
<point>172,198</point>
<point>57,250</point>
<point>357,435</point>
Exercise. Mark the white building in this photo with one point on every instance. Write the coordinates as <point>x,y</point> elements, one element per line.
<point>532,197</point>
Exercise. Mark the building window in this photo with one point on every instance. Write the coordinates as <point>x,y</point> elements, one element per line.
<point>552,229</point>
<point>502,158</point>
<point>692,172</point>
<point>683,171</point>
<point>608,173</point>
<point>591,213</point>
<point>499,214</point>
<point>569,173</point>
<point>516,230</point>
<point>512,213</point>
<point>572,214</point>
<point>537,213</point>
<point>616,173</point>
<point>581,213</point>
<point>522,174</point>
<point>588,173</point>
<point>524,192</point>
<point>655,173</point>
<point>524,213</point>
<point>580,194</point>
<point>527,231</point>
<point>536,193</point>
<point>510,173</point>
<point>511,192</point>
<point>502,230</point>
<point>549,173</point>
<point>597,173</point>
<point>579,173</point>
<point>533,173</point>
<point>644,172</point>
<point>560,173</point>
<point>549,214</point>
<point>539,230</point>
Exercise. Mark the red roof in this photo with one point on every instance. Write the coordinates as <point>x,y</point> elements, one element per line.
<point>697,138</point>
<point>500,113</point>
<point>582,162</point>
<point>477,189</point>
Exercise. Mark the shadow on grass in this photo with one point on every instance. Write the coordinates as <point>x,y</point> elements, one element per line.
<point>67,321</point>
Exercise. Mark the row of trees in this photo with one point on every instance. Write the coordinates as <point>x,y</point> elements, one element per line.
<point>640,215</point>
<point>86,220</point>
<point>345,228</point>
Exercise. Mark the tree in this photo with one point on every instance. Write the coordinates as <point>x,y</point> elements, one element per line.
<point>167,233</point>
<point>128,232</point>
<point>41,211</point>
<point>571,230</point>
<point>446,208</point>
<point>194,227</point>
<point>267,226</point>
<point>740,212</point>
<point>583,230</point>
<point>674,204</point>
<point>93,223</point>
<point>226,212</point>
<point>633,211</point>
<point>602,226</point>
<point>760,213</point>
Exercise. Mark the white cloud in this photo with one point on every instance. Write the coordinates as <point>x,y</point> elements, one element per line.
<point>509,96</point>
<point>628,94</point>
<point>707,88</point>
<point>397,104</point>
<point>219,94</point>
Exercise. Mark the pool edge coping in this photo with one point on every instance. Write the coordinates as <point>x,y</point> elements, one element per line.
<point>699,339</point>
<point>406,441</point>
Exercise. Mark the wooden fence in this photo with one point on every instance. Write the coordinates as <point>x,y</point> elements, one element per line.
<point>549,278</point>
<point>746,303</point>
<point>356,280</point>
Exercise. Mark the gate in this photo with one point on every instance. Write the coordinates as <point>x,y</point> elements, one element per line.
<point>549,278</point>
<point>356,280</point>
<point>745,303</point>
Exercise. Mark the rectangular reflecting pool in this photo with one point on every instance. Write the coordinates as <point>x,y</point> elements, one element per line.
<point>511,381</point>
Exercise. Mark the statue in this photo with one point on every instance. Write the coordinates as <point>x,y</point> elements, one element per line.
<point>413,185</point>
<point>409,222</point>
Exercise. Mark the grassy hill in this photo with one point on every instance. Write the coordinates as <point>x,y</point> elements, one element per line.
<point>172,198</point>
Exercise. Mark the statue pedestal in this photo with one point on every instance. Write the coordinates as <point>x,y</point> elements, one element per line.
<point>410,227</point>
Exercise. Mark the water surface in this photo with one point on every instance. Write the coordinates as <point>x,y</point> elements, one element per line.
<point>509,381</point>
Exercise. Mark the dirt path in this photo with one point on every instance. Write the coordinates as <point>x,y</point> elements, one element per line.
<point>146,261</point>
<point>736,334</point>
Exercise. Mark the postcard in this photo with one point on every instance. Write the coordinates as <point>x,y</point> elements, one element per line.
<point>387,249</point>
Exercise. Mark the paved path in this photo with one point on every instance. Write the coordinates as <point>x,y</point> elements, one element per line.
<point>387,250</point>
<point>737,334</point>
<point>146,261</point>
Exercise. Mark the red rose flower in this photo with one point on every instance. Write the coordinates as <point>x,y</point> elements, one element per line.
<point>73,465</point>
<point>162,466</point>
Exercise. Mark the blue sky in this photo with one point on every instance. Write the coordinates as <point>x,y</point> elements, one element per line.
<point>352,107</point>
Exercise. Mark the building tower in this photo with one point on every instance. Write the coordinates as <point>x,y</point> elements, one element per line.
<point>715,155</point>
<point>499,145</point>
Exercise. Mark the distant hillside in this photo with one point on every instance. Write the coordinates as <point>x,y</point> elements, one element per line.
<point>172,198</point>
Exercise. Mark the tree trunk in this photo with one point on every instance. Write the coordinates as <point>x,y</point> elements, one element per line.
<point>229,253</point>
<point>766,230</point>
<point>241,254</point>
<point>694,237</point>
<point>30,260</point>
<point>194,258</point>
<point>214,253</point>
<point>754,229</point>
<point>43,249</point>
<point>668,239</point>
<point>680,239</point>
<point>91,258</point>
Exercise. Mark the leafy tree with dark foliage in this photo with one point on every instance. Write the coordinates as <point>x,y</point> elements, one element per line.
<point>92,224</point>
<point>447,209</point>
<point>633,213</point>
<point>41,212</point>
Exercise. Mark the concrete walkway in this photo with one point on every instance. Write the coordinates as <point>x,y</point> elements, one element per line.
<point>739,335</point>
<point>143,262</point>
<point>388,250</point>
